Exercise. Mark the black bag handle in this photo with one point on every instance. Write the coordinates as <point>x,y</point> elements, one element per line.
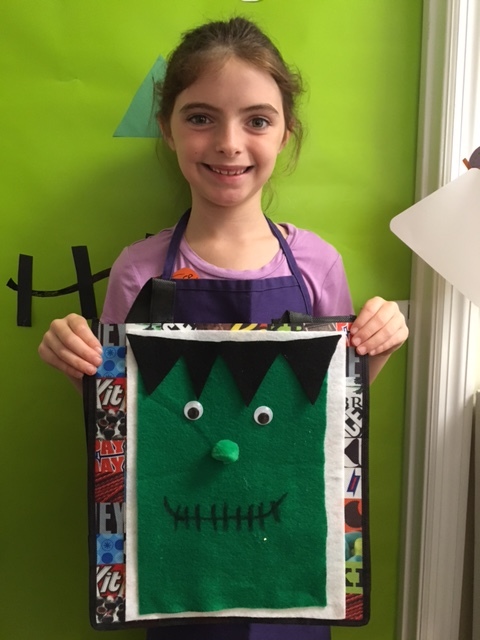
<point>154,303</point>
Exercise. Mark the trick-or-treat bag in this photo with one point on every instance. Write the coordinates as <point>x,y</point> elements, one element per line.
<point>228,474</point>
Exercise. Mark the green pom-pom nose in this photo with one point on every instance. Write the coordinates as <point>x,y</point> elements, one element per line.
<point>226,451</point>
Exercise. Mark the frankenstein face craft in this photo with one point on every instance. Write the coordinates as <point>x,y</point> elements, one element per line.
<point>234,468</point>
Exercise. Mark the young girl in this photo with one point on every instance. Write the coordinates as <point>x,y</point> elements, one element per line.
<point>227,109</point>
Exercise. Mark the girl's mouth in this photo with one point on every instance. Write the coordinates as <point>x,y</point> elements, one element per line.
<point>233,171</point>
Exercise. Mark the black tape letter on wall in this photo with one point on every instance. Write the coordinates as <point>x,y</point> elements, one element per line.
<point>24,298</point>
<point>84,286</point>
<point>85,282</point>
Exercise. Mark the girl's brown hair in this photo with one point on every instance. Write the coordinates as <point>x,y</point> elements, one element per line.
<point>215,42</point>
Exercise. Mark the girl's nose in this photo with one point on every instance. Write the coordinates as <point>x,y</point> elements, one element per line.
<point>229,141</point>
<point>226,451</point>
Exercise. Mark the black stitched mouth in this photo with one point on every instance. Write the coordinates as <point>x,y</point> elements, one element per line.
<point>221,518</point>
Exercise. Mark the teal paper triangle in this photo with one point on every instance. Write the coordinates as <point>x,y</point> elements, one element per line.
<point>139,120</point>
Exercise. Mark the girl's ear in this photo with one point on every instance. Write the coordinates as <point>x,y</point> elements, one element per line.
<point>286,138</point>
<point>166,133</point>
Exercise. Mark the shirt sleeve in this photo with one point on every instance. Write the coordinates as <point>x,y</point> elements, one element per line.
<point>322,269</point>
<point>123,288</point>
<point>136,264</point>
<point>333,299</point>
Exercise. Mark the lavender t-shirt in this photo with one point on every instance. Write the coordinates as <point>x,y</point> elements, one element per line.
<point>319,263</point>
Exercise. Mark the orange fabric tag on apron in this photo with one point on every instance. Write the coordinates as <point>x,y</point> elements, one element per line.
<point>185,274</point>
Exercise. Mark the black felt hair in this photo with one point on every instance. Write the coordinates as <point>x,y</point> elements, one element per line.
<point>248,362</point>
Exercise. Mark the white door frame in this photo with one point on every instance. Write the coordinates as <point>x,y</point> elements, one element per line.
<point>443,348</point>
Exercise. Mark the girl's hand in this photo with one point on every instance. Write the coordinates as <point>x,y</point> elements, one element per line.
<point>380,328</point>
<point>70,346</point>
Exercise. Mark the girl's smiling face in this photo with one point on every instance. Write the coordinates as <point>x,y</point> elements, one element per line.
<point>227,129</point>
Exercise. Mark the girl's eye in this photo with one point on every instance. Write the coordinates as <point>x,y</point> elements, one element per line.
<point>199,119</point>
<point>193,410</point>
<point>259,123</point>
<point>263,415</point>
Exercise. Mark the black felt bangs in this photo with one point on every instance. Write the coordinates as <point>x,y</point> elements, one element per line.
<point>248,362</point>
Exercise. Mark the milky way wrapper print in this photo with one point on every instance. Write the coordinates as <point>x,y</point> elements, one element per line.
<point>227,475</point>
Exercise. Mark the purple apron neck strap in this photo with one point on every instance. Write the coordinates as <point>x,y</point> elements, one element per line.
<point>292,263</point>
<point>174,245</point>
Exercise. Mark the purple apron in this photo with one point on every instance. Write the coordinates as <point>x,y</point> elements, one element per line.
<point>229,301</point>
<point>237,301</point>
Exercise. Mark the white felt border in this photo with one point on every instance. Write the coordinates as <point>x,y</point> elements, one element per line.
<point>334,479</point>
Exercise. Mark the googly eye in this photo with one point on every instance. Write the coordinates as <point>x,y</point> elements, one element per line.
<point>263,415</point>
<point>193,410</point>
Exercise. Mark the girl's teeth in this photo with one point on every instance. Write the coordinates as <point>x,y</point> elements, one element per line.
<point>228,173</point>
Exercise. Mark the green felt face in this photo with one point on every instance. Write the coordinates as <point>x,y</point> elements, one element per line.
<point>230,498</point>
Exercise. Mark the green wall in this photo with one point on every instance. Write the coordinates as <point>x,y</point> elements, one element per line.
<point>69,71</point>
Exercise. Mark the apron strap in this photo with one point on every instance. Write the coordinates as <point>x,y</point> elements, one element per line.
<point>174,245</point>
<point>292,263</point>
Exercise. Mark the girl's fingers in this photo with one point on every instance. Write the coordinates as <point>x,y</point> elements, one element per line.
<point>76,370</point>
<point>79,326</point>
<point>70,346</point>
<point>369,310</point>
<point>379,329</point>
<point>70,355</point>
